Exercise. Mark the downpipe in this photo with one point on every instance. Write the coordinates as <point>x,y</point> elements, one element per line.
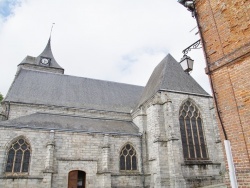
<point>232,175</point>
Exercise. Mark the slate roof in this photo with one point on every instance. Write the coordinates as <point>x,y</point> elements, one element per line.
<point>46,121</point>
<point>37,87</point>
<point>169,76</point>
<point>47,52</point>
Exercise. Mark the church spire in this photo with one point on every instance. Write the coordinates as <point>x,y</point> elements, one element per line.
<point>51,30</point>
<point>45,61</point>
<point>46,58</point>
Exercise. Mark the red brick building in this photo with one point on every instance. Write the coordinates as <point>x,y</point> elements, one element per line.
<point>225,33</point>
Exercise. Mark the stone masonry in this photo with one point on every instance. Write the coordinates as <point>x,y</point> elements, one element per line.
<point>75,125</point>
<point>55,153</point>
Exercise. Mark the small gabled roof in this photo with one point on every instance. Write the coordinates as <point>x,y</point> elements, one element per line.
<point>38,87</point>
<point>47,53</point>
<point>169,76</point>
<point>60,122</point>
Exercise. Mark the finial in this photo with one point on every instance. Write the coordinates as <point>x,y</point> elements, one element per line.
<point>51,29</point>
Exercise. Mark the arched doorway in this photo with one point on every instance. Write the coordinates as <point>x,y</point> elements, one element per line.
<point>77,179</point>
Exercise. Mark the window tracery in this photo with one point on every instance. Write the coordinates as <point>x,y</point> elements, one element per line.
<point>18,157</point>
<point>192,136</point>
<point>128,159</point>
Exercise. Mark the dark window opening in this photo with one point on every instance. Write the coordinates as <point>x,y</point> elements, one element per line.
<point>128,159</point>
<point>192,136</point>
<point>18,157</point>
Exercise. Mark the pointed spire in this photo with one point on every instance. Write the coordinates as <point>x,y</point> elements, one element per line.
<point>51,29</point>
<point>47,52</point>
<point>45,60</point>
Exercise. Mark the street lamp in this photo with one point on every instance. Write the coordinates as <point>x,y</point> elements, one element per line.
<point>187,3</point>
<point>187,63</point>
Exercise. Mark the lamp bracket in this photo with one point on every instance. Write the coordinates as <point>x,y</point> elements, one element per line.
<point>192,46</point>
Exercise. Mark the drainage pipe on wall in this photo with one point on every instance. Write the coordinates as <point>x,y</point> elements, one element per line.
<point>232,175</point>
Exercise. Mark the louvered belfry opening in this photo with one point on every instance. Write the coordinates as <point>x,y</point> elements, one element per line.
<point>192,134</point>
<point>128,160</point>
<point>18,157</point>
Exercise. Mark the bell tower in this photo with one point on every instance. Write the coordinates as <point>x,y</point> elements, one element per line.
<point>44,62</point>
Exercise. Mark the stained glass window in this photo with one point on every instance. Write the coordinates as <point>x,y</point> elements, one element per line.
<point>18,157</point>
<point>128,160</point>
<point>192,136</point>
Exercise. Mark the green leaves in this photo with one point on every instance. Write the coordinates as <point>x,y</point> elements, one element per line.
<point>1,97</point>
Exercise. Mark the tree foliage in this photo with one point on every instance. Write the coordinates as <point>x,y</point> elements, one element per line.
<point>1,97</point>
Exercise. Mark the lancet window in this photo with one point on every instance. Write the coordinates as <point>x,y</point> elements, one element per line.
<point>192,134</point>
<point>18,157</point>
<point>128,158</point>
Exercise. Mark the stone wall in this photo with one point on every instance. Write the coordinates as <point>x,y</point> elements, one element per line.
<point>19,110</point>
<point>2,114</point>
<point>159,148</point>
<point>55,154</point>
<point>38,154</point>
<point>163,147</point>
<point>225,28</point>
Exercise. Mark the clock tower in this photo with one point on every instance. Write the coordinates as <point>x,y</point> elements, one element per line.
<point>44,62</point>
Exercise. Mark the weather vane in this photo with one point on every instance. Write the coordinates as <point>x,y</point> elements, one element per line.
<point>51,28</point>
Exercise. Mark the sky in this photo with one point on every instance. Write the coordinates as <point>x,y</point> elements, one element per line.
<point>115,40</point>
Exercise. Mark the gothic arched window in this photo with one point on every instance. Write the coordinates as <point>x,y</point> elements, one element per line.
<point>128,159</point>
<point>192,136</point>
<point>18,157</point>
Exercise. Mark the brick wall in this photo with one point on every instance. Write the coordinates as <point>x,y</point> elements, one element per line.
<point>225,28</point>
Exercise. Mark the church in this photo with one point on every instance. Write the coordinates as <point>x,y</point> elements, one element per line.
<point>62,131</point>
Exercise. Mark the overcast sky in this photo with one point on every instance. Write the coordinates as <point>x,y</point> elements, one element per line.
<point>116,40</point>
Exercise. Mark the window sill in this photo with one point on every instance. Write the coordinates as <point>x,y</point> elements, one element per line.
<point>129,170</point>
<point>199,162</point>
<point>16,174</point>
<point>127,173</point>
<point>19,176</point>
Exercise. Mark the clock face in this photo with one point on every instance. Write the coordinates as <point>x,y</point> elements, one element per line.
<point>45,61</point>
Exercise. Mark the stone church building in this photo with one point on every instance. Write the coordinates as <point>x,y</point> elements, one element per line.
<point>61,131</point>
